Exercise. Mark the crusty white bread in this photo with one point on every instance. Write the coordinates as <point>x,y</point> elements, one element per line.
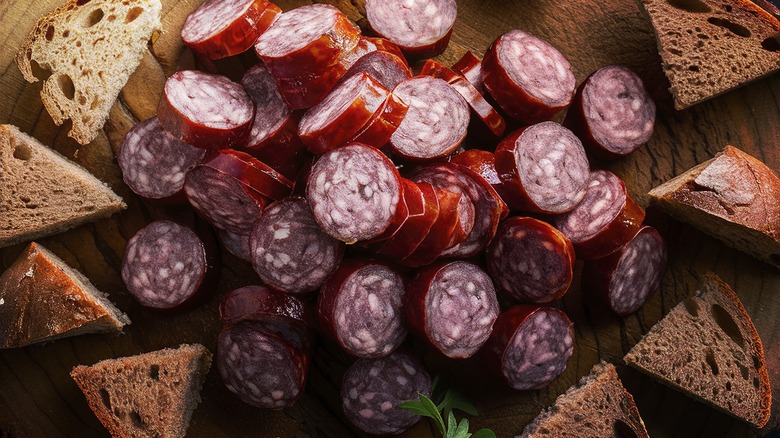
<point>149,395</point>
<point>597,407</point>
<point>90,47</point>
<point>707,347</point>
<point>733,197</point>
<point>43,193</point>
<point>43,299</point>
<point>709,47</point>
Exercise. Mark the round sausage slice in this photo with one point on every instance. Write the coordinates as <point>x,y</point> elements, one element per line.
<point>530,345</point>
<point>354,192</point>
<point>252,173</point>
<point>530,260</point>
<point>422,28</point>
<point>383,123</point>
<point>453,307</point>
<point>436,122</point>
<point>222,28</point>
<point>544,168</point>
<point>204,110</point>
<point>605,220</point>
<point>372,389</point>
<point>387,68</point>
<point>422,218</point>
<point>359,307</point>
<point>612,113</point>
<point>625,279</point>
<point>273,117</point>
<point>528,78</point>
<point>289,251</point>
<point>483,163</point>
<point>167,266</point>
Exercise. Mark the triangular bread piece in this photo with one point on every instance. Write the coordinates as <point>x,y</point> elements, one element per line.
<point>148,395</point>
<point>599,406</point>
<point>707,347</point>
<point>709,47</point>
<point>91,47</point>
<point>733,197</point>
<point>43,299</point>
<point>43,193</point>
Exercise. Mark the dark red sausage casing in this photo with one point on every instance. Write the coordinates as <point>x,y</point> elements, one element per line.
<point>383,124</point>
<point>452,306</point>
<point>422,217</point>
<point>483,163</point>
<point>359,308</point>
<point>167,266</point>
<point>204,110</point>
<point>605,220</point>
<point>259,302</point>
<point>220,28</point>
<point>445,231</point>
<point>530,346</point>
<point>624,280</point>
<point>528,78</point>
<point>250,172</point>
<point>543,167</point>
<point>471,68</point>
<point>612,113</point>
<point>530,260</point>
<point>422,28</point>
<point>381,59</point>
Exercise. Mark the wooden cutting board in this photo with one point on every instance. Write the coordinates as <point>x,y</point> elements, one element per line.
<point>38,398</point>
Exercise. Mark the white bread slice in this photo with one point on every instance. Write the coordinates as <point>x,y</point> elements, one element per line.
<point>148,395</point>
<point>43,193</point>
<point>43,299</point>
<point>733,197</point>
<point>708,348</point>
<point>598,406</point>
<point>91,47</point>
<point>709,47</point>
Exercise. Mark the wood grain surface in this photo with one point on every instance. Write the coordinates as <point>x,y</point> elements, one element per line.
<point>38,398</point>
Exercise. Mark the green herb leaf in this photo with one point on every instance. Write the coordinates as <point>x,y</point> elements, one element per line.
<point>484,433</point>
<point>452,424</point>
<point>426,408</point>
<point>454,400</point>
<point>462,431</point>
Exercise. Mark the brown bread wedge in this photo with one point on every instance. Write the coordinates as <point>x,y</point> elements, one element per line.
<point>708,348</point>
<point>732,197</point>
<point>599,406</point>
<point>149,395</point>
<point>709,47</point>
<point>43,193</point>
<point>43,299</point>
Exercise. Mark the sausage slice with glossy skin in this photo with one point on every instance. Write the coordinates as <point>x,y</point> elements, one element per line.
<point>385,67</point>
<point>483,163</point>
<point>605,220</point>
<point>530,346</point>
<point>354,192</point>
<point>471,68</point>
<point>252,173</point>
<point>436,122</point>
<point>359,307</point>
<point>422,218</point>
<point>544,168</point>
<point>383,124</point>
<point>154,163</point>
<point>259,302</point>
<point>222,28</point>
<point>422,28</point>
<point>372,389</point>
<point>528,78</point>
<point>204,110</point>
<point>445,232</point>
<point>168,266</point>
<point>273,117</point>
<point>625,279</point>
<point>530,260</point>
<point>453,307</point>
<point>612,113</point>
<point>289,251</point>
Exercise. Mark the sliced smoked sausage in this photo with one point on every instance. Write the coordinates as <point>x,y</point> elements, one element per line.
<point>259,302</point>
<point>422,28</point>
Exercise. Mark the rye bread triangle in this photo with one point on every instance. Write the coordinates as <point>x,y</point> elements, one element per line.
<point>148,395</point>
<point>708,348</point>
<point>709,47</point>
<point>43,193</point>
<point>598,406</point>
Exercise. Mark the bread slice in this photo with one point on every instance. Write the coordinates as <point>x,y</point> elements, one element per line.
<point>43,193</point>
<point>148,395</point>
<point>709,47</point>
<point>733,197</point>
<point>90,47</point>
<point>599,406</point>
<point>43,299</point>
<point>707,347</point>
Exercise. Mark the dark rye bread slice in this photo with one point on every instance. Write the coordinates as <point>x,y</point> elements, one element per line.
<point>148,395</point>
<point>707,347</point>
<point>709,47</point>
<point>597,407</point>
<point>43,299</point>
<point>43,193</point>
<point>733,197</point>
